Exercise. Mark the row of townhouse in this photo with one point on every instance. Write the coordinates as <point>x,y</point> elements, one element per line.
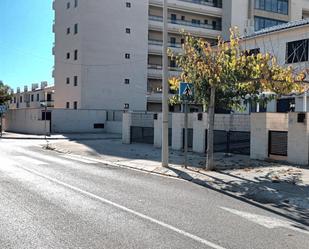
<point>108,54</point>
<point>34,98</point>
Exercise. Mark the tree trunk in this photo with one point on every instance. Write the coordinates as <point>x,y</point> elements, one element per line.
<point>210,132</point>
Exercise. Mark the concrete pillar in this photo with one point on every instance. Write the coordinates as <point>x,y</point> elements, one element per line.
<point>177,132</point>
<point>158,131</point>
<point>259,136</point>
<point>199,133</point>
<point>126,128</point>
<point>298,147</point>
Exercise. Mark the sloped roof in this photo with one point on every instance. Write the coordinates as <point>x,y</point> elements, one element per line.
<point>284,26</point>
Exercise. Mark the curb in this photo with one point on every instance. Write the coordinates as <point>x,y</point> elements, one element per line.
<point>203,183</point>
<point>70,139</point>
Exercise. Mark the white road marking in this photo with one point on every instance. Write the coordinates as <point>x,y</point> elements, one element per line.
<point>26,159</point>
<point>125,209</point>
<point>268,222</point>
<point>78,158</point>
<point>40,156</point>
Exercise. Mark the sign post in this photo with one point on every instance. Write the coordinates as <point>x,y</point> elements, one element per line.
<point>186,95</point>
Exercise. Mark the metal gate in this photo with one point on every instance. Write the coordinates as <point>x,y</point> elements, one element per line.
<point>239,142</point>
<point>143,135</point>
<point>236,142</point>
<point>278,143</point>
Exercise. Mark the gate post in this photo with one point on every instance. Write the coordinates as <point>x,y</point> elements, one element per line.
<point>298,147</point>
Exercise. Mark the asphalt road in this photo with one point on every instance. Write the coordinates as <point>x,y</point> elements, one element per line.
<point>50,200</point>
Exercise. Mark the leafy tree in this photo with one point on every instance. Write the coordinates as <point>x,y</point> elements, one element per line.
<point>5,93</point>
<point>227,76</point>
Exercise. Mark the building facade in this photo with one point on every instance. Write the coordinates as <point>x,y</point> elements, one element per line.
<point>289,43</point>
<point>108,54</point>
<point>34,98</point>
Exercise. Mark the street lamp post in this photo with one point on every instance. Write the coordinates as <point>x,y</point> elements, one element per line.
<point>165,90</point>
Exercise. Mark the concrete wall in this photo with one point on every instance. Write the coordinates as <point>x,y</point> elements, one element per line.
<point>224,122</point>
<point>140,119</point>
<point>261,124</point>
<point>178,120</point>
<point>158,129</point>
<point>26,121</point>
<point>298,142</point>
<point>74,121</point>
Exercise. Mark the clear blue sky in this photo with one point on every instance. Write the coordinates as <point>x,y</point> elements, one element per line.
<point>26,41</point>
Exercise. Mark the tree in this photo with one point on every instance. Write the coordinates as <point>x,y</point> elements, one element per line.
<point>225,75</point>
<point>5,93</point>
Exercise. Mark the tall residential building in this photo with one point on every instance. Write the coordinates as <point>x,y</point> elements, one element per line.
<point>108,53</point>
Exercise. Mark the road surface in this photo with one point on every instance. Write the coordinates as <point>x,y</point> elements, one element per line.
<point>52,200</point>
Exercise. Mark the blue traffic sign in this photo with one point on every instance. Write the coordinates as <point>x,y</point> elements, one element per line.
<point>186,91</point>
<point>3,109</point>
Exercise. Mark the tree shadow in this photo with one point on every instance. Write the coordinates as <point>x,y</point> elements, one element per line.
<point>260,192</point>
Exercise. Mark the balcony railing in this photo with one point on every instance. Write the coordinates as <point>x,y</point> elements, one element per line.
<point>160,43</point>
<point>186,23</point>
<point>215,3</point>
<point>159,67</point>
<point>47,103</point>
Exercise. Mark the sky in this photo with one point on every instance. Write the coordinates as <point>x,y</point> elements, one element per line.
<point>26,41</point>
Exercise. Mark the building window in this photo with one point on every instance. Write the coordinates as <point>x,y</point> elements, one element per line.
<point>183,18</point>
<point>38,97</point>
<point>126,106</point>
<point>127,81</point>
<point>68,56</point>
<point>68,31</point>
<point>75,80</point>
<point>14,100</point>
<point>75,54</point>
<point>254,51</point>
<point>297,51</point>
<point>276,6</point>
<point>68,80</point>
<point>128,30</point>
<point>75,105</point>
<point>20,99</point>
<point>262,23</point>
<point>76,28</point>
<point>68,105</point>
<point>32,97</point>
<point>127,56</point>
<point>128,4</point>
<point>75,3</point>
<point>68,5</point>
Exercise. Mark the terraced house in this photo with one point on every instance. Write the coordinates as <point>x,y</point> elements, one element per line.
<point>108,54</point>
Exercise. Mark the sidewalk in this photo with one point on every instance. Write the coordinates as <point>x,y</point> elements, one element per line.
<point>285,188</point>
<point>73,136</point>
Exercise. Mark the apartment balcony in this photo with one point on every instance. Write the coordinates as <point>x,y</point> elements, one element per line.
<point>211,8</point>
<point>155,71</point>
<point>155,47</point>
<point>176,26</point>
<point>47,103</point>
<point>156,97</point>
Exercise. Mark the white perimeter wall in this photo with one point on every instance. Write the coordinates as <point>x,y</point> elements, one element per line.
<point>26,121</point>
<point>73,121</point>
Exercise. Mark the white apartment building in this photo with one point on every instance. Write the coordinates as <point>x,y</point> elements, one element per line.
<point>290,44</point>
<point>108,53</point>
<point>33,98</point>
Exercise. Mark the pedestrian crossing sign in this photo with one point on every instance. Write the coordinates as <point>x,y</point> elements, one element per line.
<point>3,109</point>
<point>186,91</point>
